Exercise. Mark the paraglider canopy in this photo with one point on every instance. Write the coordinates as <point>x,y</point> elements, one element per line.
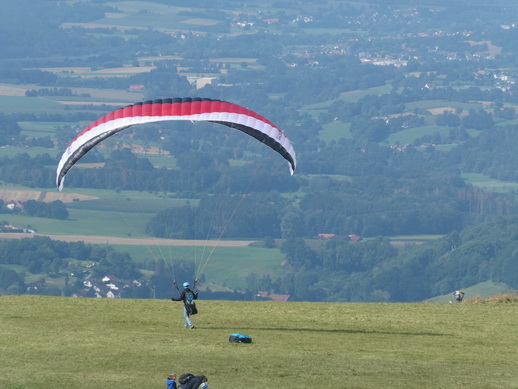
<point>193,109</point>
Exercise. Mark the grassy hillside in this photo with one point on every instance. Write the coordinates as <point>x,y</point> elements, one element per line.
<point>481,290</point>
<point>54,342</point>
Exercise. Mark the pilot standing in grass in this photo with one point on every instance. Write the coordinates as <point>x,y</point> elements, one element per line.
<point>458,295</point>
<point>189,307</point>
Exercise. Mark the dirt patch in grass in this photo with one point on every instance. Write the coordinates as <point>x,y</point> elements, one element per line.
<point>98,25</point>
<point>139,149</point>
<point>233,60</point>
<point>161,58</point>
<point>441,110</point>
<point>491,48</point>
<point>202,21</point>
<point>67,69</point>
<point>12,90</point>
<point>25,195</point>
<point>126,70</point>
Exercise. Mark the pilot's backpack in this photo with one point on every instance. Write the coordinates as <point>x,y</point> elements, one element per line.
<point>239,338</point>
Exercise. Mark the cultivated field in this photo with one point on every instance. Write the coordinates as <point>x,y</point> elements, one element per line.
<point>54,342</point>
<point>12,90</point>
<point>8,195</point>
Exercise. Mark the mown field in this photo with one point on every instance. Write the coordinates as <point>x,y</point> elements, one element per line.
<point>55,342</point>
<point>490,184</point>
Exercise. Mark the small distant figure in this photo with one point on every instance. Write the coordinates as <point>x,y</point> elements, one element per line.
<point>171,381</point>
<point>458,296</point>
<point>190,381</point>
<point>189,306</point>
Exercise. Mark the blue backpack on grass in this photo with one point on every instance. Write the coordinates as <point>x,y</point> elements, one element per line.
<point>239,338</point>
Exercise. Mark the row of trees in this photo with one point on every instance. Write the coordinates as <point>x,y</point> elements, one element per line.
<point>54,210</point>
<point>9,129</point>
<point>54,92</point>
<point>223,216</point>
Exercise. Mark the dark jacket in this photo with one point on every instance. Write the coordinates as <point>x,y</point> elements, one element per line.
<point>193,383</point>
<point>183,295</point>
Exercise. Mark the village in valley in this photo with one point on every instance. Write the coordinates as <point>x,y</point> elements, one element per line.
<point>395,112</point>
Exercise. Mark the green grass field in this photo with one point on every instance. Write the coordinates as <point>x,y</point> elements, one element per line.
<point>87,222</point>
<point>54,342</point>
<point>223,266</point>
<point>13,151</point>
<point>39,129</point>
<point>27,104</point>
<point>434,104</point>
<point>490,184</point>
<point>335,131</point>
<point>356,95</point>
<point>407,136</point>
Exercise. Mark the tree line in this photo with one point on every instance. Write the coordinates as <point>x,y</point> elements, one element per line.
<point>54,210</point>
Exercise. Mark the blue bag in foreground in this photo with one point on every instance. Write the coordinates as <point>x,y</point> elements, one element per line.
<point>239,338</point>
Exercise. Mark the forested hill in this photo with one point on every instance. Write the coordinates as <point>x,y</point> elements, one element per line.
<point>374,270</point>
